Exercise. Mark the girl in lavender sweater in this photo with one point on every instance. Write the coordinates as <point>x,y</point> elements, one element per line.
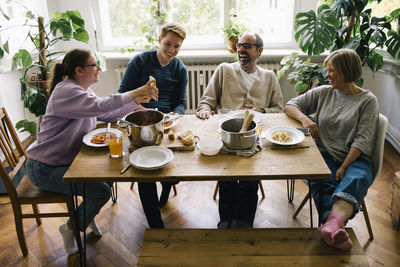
<point>72,111</point>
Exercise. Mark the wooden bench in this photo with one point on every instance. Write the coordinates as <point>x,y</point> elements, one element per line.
<point>245,247</point>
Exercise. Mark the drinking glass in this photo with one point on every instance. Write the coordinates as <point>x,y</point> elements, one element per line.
<point>115,145</point>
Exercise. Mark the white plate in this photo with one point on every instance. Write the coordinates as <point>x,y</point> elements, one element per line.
<point>174,123</point>
<point>89,135</point>
<point>151,157</point>
<point>296,135</point>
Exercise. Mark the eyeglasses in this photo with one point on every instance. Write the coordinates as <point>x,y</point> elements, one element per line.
<point>245,45</point>
<point>91,65</point>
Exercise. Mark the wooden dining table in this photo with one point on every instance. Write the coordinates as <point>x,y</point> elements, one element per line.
<point>272,162</point>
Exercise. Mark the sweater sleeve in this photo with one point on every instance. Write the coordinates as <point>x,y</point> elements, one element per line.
<point>367,125</point>
<point>307,102</point>
<point>130,80</point>
<point>72,101</point>
<point>179,100</point>
<point>212,93</point>
<point>276,101</point>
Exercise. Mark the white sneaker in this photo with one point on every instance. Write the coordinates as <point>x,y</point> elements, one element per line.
<point>68,238</point>
<point>95,229</point>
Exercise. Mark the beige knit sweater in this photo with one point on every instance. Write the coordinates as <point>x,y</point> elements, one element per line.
<point>226,89</point>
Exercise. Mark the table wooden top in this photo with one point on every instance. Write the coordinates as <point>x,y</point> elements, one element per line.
<point>93,164</point>
<point>245,247</point>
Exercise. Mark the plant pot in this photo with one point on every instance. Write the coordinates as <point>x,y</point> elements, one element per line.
<point>34,80</point>
<point>232,45</point>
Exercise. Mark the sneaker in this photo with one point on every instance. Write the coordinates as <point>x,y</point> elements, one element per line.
<point>68,238</point>
<point>95,229</point>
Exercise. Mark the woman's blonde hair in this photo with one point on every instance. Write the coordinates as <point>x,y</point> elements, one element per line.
<point>347,63</point>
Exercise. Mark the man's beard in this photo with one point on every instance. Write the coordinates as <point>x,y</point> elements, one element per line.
<point>248,61</point>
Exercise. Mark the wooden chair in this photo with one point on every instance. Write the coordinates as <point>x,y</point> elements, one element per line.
<point>26,193</point>
<point>377,159</point>
<point>259,184</point>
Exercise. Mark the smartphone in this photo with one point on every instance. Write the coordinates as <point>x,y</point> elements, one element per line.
<point>305,131</point>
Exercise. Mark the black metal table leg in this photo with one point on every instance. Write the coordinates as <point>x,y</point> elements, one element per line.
<point>84,223</point>
<point>114,192</point>
<point>74,192</point>
<point>290,189</point>
<point>311,215</point>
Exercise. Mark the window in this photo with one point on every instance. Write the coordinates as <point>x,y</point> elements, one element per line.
<point>122,20</point>
<point>11,29</point>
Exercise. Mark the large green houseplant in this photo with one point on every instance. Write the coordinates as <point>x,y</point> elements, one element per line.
<point>36,64</point>
<point>348,24</point>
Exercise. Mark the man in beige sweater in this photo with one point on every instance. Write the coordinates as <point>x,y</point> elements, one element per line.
<point>241,85</point>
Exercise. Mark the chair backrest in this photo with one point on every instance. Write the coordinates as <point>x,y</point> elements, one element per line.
<point>14,157</point>
<point>377,151</point>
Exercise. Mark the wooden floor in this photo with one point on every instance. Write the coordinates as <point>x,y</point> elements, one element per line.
<point>123,224</point>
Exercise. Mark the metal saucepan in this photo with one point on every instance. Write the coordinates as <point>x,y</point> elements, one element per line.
<point>147,128</point>
<point>231,137</point>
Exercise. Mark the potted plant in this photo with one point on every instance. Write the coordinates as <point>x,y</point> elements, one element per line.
<point>233,31</point>
<point>36,64</point>
<point>303,74</point>
<point>343,24</point>
<point>349,24</point>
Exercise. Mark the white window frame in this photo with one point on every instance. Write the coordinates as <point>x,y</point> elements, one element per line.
<point>103,30</point>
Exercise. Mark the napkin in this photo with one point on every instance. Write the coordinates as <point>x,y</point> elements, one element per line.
<point>243,152</point>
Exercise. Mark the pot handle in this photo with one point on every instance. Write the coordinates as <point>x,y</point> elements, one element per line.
<point>128,130</point>
<point>249,136</point>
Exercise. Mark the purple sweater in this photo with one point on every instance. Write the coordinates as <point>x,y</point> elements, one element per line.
<point>72,112</point>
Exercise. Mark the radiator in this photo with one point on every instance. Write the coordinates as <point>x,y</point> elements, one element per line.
<point>199,76</point>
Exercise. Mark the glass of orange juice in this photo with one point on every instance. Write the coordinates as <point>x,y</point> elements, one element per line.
<point>115,145</point>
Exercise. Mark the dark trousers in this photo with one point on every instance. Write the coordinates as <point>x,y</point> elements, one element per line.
<point>149,198</point>
<point>238,200</point>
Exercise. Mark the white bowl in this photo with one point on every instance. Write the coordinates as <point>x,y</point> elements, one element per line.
<point>209,147</point>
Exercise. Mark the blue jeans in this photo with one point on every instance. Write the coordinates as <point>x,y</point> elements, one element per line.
<point>352,189</point>
<point>50,178</point>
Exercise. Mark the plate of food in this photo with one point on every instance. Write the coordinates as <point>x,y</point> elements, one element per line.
<point>170,121</point>
<point>284,136</point>
<point>98,137</point>
<point>151,157</point>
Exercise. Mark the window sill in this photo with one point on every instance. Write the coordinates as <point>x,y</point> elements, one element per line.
<point>216,56</point>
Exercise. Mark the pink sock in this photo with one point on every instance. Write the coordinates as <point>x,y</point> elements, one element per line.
<point>341,240</point>
<point>329,228</point>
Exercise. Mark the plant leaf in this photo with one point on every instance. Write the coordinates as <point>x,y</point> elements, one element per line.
<point>5,47</point>
<point>393,44</point>
<point>26,126</point>
<point>81,35</point>
<point>21,58</point>
<point>374,61</point>
<point>316,33</point>
<point>63,26</point>
<point>76,18</point>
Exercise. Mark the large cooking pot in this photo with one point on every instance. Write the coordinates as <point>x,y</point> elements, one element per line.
<point>231,137</point>
<point>147,128</point>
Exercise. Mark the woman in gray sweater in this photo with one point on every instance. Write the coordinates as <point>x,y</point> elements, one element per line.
<point>346,118</point>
